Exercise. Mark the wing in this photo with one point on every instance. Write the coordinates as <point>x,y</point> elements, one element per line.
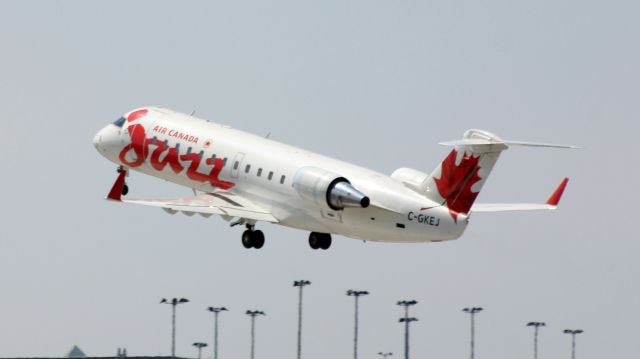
<point>552,203</point>
<point>222,203</point>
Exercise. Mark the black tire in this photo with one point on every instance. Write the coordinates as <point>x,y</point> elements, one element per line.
<point>125,190</point>
<point>314,240</point>
<point>325,243</point>
<point>258,239</point>
<point>247,239</point>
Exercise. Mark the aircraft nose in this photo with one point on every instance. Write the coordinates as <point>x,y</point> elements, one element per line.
<point>97,139</point>
<point>104,138</point>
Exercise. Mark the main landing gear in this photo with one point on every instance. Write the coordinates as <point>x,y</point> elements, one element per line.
<point>319,240</point>
<point>252,238</point>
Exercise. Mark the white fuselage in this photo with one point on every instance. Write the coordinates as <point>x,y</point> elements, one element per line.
<point>264,172</point>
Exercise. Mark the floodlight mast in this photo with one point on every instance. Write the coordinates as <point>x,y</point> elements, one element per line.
<point>473,311</point>
<point>300,284</point>
<point>356,294</point>
<point>573,333</point>
<point>536,326</point>
<point>216,311</point>
<point>199,345</point>
<point>253,314</point>
<point>173,302</point>
<point>406,320</point>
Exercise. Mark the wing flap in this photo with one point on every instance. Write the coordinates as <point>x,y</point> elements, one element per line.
<point>224,204</point>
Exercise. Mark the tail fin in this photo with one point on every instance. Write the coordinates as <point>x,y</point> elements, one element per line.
<point>457,181</point>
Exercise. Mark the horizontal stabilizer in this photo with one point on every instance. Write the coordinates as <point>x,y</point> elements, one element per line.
<point>483,142</point>
<point>509,207</point>
<point>552,203</point>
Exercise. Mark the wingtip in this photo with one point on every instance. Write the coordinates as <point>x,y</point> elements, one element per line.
<point>557,194</point>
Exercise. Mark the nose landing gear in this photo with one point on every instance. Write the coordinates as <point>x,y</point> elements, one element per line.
<point>125,188</point>
<point>319,240</point>
<point>252,238</point>
<point>119,187</point>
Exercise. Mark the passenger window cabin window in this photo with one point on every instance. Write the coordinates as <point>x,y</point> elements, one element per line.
<point>213,157</point>
<point>270,175</point>
<point>178,147</point>
<point>201,154</point>
<point>189,150</point>
<point>247,168</point>
<point>224,162</point>
<point>259,172</point>
<point>235,165</point>
<point>166,143</point>
<point>154,140</point>
<point>282,179</point>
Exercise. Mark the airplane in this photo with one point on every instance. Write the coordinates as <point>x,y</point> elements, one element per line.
<point>246,179</point>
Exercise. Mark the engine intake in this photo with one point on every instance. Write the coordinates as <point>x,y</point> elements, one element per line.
<point>328,188</point>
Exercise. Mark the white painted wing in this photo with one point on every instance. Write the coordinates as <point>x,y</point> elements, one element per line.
<point>221,203</point>
<point>505,207</point>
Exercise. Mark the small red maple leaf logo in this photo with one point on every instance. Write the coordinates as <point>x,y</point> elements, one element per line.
<point>207,143</point>
<point>455,182</point>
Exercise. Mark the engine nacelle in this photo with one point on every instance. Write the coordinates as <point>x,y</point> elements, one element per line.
<point>411,178</point>
<point>328,188</point>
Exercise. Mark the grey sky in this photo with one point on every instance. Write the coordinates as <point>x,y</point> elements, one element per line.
<point>377,83</point>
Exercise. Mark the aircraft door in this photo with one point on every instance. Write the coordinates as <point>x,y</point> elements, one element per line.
<point>237,163</point>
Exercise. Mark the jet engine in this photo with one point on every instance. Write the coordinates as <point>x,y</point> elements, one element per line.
<point>413,179</point>
<point>328,188</point>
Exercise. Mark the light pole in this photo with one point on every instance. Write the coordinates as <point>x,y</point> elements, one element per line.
<point>253,314</point>
<point>406,320</point>
<point>173,302</point>
<point>473,311</point>
<point>536,326</point>
<point>300,284</point>
<point>573,333</point>
<point>385,355</point>
<point>216,311</point>
<point>356,294</point>
<point>199,345</point>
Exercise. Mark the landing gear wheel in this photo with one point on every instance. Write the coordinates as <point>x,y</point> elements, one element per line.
<point>326,241</point>
<point>314,240</point>
<point>319,240</point>
<point>125,190</point>
<point>257,237</point>
<point>247,241</point>
<point>252,239</point>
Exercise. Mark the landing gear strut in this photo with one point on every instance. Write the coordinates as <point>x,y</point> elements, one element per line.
<point>319,240</point>
<point>252,238</point>
<point>125,188</point>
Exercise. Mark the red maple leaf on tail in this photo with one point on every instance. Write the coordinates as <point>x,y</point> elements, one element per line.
<point>455,182</point>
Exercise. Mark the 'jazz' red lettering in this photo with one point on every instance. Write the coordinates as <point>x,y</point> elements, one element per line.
<point>140,147</point>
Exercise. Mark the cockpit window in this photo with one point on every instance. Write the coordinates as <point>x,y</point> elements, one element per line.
<point>119,122</point>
